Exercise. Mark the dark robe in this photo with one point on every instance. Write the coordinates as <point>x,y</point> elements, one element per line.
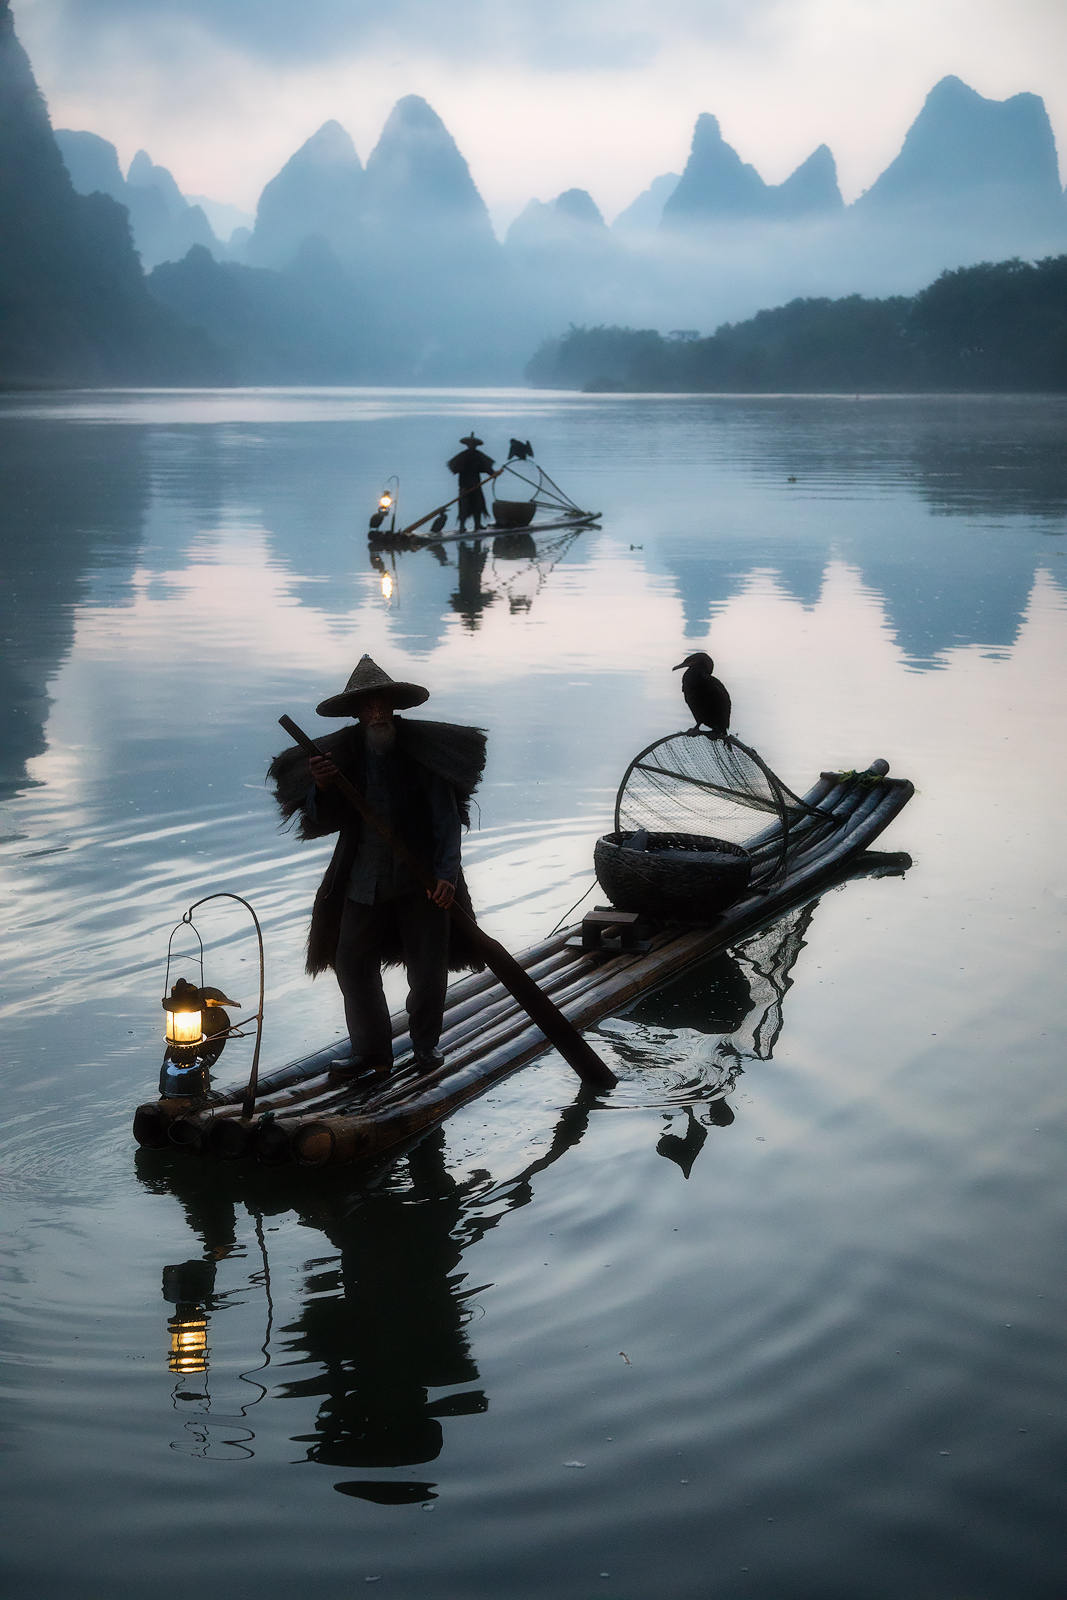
<point>471,466</point>
<point>454,753</point>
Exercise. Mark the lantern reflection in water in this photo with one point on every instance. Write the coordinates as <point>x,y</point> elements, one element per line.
<point>188,1287</point>
<point>188,1341</point>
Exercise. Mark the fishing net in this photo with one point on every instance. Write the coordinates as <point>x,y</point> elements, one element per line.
<point>547,494</point>
<point>696,784</point>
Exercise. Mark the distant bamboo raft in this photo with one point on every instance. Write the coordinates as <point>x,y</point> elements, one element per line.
<point>301,1118</point>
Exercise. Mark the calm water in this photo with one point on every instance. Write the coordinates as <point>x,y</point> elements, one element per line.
<point>783,1316</point>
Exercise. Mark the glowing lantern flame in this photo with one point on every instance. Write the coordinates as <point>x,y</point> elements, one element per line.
<point>185,1019</point>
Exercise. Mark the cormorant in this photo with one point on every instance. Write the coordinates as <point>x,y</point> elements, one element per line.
<point>438,522</point>
<point>520,450</point>
<point>705,696</point>
<point>377,520</point>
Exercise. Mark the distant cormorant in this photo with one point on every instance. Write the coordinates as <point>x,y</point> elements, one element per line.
<point>438,522</point>
<point>520,450</point>
<point>705,696</point>
<point>377,520</point>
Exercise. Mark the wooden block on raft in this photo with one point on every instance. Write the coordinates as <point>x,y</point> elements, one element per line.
<point>610,931</point>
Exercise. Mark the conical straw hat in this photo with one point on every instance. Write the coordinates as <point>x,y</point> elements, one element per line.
<point>368,679</point>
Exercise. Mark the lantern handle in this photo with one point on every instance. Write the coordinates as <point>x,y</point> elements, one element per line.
<point>187,919</point>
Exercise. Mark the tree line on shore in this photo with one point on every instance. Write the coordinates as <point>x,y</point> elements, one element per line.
<point>997,326</point>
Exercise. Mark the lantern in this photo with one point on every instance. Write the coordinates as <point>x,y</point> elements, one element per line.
<point>197,1027</point>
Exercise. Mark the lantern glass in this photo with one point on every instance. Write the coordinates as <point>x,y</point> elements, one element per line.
<point>185,1027</point>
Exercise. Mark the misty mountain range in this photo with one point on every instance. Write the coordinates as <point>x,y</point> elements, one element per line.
<point>391,271</point>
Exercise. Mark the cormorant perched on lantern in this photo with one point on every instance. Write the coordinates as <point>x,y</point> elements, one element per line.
<point>705,695</point>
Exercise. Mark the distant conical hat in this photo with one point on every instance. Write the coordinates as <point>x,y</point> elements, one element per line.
<point>369,679</point>
<point>473,440</point>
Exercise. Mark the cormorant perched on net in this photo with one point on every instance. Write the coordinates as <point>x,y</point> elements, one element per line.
<point>705,695</point>
<point>520,450</point>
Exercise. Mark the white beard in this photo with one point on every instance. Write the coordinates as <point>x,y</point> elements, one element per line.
<point>381,736</point>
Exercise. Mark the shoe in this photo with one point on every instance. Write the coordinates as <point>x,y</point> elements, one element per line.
<point>348,1069</point>
<point>429,1060</point>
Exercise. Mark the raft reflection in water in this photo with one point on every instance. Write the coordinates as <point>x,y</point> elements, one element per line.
<point>383,1320</point>
<point>736,999</point>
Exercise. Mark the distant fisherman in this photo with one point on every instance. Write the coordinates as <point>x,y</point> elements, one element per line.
<point>470,466</point>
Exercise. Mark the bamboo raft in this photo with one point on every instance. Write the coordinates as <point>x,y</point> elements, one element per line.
<point>301,1118</point>
<point>417,541</point>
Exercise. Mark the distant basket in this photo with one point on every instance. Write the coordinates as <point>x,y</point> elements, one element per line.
<point>513,513</point>
<point>686,875</point>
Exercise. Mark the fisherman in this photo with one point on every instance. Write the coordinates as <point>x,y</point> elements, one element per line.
<point>470,466</point>
<point>369,911</point>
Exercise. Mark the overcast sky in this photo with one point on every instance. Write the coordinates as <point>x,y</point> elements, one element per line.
<point>540,95</point>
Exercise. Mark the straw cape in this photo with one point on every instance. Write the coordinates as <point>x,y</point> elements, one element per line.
<point>370,679</point>
<point>453,752</point>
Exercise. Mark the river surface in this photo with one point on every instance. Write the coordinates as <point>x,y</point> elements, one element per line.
<point>783,1316</point>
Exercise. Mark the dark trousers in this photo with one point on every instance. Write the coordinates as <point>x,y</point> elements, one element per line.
<point>424,930</point>
<point>472,504</point>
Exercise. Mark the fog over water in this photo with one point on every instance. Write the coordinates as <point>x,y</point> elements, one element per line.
<point>782,1315</point>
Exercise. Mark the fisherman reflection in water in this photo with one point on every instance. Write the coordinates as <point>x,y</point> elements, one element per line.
<point>419,778</point>
<point>392,1327</point>
<point>470,466</point>
<point>383,1322</point>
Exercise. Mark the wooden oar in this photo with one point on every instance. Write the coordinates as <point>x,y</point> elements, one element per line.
<point>402,533</point>
<point>575,1050</point>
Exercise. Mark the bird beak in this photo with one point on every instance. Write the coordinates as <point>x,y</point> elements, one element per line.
<point>679,667</point>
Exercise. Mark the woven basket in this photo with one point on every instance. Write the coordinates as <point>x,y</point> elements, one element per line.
<point>683,875</point>
<point>513,513</point>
